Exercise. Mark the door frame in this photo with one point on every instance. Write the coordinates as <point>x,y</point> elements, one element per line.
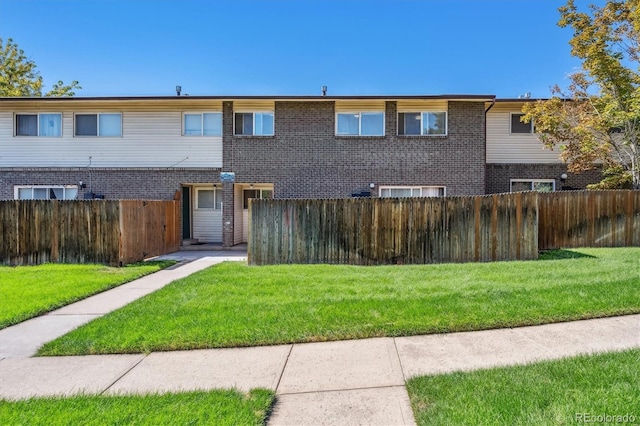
<point>241,220</point>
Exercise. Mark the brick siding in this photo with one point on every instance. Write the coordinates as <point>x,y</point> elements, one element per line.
<point>113,183</point>
<point>499,176</point>
<point>305,159</point>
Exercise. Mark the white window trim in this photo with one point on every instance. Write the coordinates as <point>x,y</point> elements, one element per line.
<point>217,192</point>
<point>37,114</point>
<point>201,135</point>
<point>417,187</point>
<point>552,181</point>
<point>17,188</point>
<point>273,114</point>
<point>98,114</point>
<point>446,122</point>
<point>359,113</point>
<point>533,127</point>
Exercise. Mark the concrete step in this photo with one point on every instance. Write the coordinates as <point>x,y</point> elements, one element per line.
<point>212,247</point>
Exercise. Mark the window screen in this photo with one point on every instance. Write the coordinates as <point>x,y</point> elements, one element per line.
<point>86,125</point>
<point>519,127</point>
<point>26,125</point>
<point>409,123</point>
<point>206,199</point>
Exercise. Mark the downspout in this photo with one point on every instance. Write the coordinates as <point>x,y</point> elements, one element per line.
<point>493,102</point>
<point>90,178</point>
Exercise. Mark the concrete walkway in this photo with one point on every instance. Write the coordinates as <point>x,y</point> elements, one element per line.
<point>24,339</point>
<point>344,382</point>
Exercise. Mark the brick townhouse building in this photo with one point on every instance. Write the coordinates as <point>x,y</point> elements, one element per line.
<point>268,146</point>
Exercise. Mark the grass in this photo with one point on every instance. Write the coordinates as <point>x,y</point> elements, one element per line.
<point>232,304</point>
<point>220,407</point>
<point>546,393</point>
<point>29,291</point>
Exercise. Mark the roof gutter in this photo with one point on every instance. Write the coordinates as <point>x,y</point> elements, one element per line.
<point>485,98</point>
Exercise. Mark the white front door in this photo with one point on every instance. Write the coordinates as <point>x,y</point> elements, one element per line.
<point>207,214</point>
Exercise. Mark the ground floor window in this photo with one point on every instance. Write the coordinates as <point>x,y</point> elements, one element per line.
<point>255,193</point>
<point>412,191</point>
<point>540,185</point>
<point>45,192</point>
<point>208,198</point>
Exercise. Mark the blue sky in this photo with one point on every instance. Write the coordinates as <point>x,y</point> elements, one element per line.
<point>293,47</point>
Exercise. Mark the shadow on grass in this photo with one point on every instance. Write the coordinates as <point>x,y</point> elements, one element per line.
<point>562,254</point>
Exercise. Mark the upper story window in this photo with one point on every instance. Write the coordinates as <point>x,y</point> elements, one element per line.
<point>422,123</point>
<point>541,185</point>
<point>412,191</point>
<point>203,124</point>
<point>45,192</point>
<point>518,126</point>
<point>44,124</point>
<point>360,124</point>
<point>103,125</point>
<point>253,123</point>
<point>209,199</point>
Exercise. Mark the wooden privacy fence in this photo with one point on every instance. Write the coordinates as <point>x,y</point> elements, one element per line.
<point>589,219</point>
<point>429,230</point>
<point>367,231</point>
<point>114,232</point>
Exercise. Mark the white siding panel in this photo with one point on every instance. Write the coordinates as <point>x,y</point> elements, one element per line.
<point>253,105</point>
<point>207,225</point>
<point>360,105</point>
<point>6,130</point>
<point>149,139</point>
<point>111,104</point>
<point>504,147</point>
<point>426,105</point>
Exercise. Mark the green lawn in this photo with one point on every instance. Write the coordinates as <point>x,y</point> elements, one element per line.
<point>232,304</point>
<point>29,291</point>
<point>569,391</point>
<point>220,407</point>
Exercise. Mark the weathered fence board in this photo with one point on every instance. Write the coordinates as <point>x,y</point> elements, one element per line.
<point>589,219</point>
<point>149,228</point>
<point>97,231</point>
<point>401,230</point>
<point>428,230</point>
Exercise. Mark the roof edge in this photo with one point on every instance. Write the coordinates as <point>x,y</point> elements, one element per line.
<point>247,97</point>
<point>498,100</point>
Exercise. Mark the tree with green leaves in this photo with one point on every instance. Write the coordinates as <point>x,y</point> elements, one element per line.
<point>19,76</point>
<point>597,119</point>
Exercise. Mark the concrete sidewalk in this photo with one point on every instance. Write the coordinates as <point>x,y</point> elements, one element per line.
<point>24,339</point>
<point>343,382</point>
